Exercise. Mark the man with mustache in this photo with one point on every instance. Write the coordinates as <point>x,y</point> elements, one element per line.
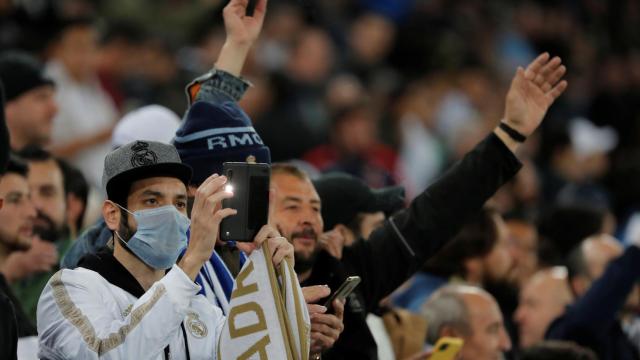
<point>16,229</point>
<point>406,240</point>
<point>30,270</point>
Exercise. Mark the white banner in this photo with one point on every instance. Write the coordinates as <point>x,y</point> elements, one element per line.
<point>268,318</point>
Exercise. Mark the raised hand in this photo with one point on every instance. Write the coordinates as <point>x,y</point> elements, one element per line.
<point>532,92</point>
<point>242,29</point>
<point>333,242</point>
<point>325,328</point>
<point>206,216</point>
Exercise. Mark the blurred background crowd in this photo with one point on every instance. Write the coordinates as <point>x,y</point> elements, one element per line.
<point>390,91</point>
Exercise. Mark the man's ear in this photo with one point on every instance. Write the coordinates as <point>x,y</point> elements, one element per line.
<point>348,235</point>
<point>449,331</point>
<point>474,268</point>
<point>111,214</point>
<point>579,285</point>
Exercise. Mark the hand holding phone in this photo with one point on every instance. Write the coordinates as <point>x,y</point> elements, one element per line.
<point>343,291</point>
<point>249,183</point>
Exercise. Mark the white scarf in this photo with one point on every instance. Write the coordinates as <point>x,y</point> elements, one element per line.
<point>268,318</point>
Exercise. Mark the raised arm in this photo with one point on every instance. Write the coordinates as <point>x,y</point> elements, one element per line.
<point>412,236</point>
<point>225,83</point>
<point>242,31</point>
<point>532,92</point>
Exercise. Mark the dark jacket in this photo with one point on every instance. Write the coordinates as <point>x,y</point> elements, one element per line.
<point>401,246</point>
<point>25,326</point>
<point>8,326</point>
<point>592,321</point>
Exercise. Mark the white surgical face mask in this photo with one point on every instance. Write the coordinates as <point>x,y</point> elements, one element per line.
<point>161,236</point>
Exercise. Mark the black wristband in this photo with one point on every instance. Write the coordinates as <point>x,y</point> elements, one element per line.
<point>513,133</point>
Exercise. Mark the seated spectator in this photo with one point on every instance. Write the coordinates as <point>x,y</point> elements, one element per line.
<point>16,230</point>
<point>557,350</point>
<point>542,299</point>
<point>354,146</point>
<point>30,104</point>
<point>8,327</point>
<point>604,279</point>
<point>563,227</point>
<point>477,255</point>
<point>469,313</point>
<point>82,140</point>
<point>29,271</point>
<point>76,191</point>
<point>523,242</point>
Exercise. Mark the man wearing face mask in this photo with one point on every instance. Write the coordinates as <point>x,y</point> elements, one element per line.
<point>137,302</point>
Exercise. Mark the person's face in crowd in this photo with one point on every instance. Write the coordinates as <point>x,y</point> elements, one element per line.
<point>312,59</point>
<point>47,192</point>
<point>149,194</point>
<point>355,132</point>
<point>371,38</point>
<point>370,222</point>
<point>17,214</point>
<point>77,50</point>
<point>498,263</point>
<point>523,241</point>
<point>30,117</point>
<point>488,339</point>
<point>598,252</point>
<point>543,299</point>
<point>297,216</point>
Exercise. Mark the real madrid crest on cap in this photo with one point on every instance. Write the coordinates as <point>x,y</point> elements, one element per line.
<point>142,156</point>
<point>195,326</point>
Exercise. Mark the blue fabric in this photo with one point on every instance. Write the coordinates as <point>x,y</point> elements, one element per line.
<point>592,321</point>
<point>422,285</point>
<point>213,133</point>
<point>93,239</point>
<point>396,10</point>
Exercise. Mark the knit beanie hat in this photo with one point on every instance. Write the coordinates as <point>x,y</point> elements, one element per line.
<point>212,134</point>
<point>21,72</point>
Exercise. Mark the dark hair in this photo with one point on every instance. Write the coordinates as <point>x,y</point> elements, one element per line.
<point>76,184</point>
<point>63,25</point>
<point>566,226</point>
<point>4,134</point>
<point>123,30</point>
<point>15,165</point>
<point>576,263</point>
<point>476,239</point>
<point>558,350</point>
<point>35,153</point>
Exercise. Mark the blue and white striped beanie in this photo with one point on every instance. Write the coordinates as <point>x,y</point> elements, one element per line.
<point>213,134</point>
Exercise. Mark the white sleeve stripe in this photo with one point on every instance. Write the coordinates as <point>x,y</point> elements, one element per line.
<point>75,316</point>
<point>401,237</point>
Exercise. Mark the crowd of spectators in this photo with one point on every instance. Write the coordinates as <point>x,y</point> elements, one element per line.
<point>391,92</point>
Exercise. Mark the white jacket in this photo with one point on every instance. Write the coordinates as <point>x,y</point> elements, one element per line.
<point>83,316</point>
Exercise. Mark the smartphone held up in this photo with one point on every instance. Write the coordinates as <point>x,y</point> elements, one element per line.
<point>249,183</point>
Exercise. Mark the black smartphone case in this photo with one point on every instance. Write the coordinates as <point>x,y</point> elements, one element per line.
<point>250,183</point>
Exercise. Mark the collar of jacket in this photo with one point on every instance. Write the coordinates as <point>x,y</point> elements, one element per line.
<point>105,264</point>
